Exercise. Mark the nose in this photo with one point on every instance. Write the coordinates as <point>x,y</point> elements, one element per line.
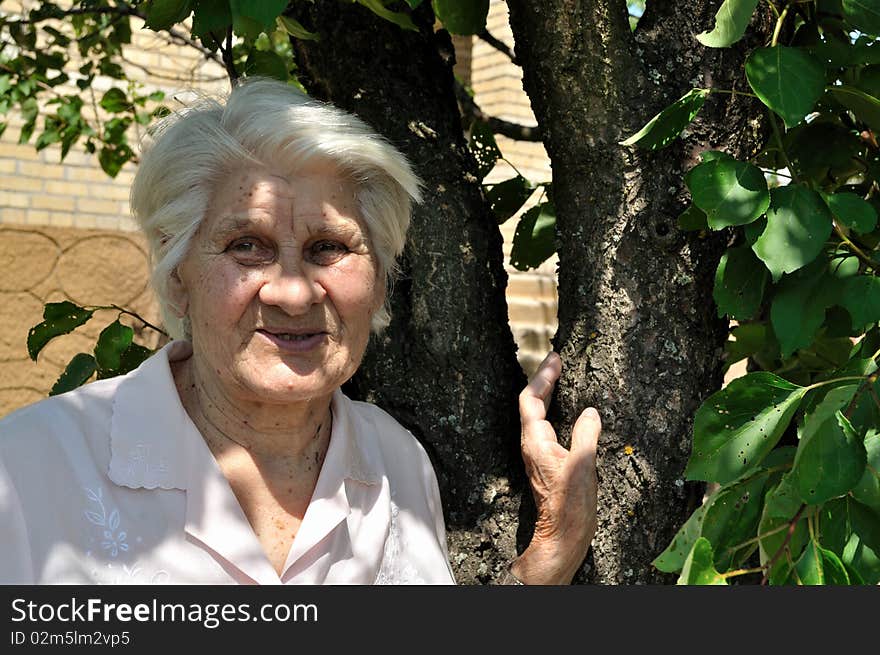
<point>290,286</point>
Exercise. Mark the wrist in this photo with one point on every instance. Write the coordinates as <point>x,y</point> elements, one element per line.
<point>544,565</point>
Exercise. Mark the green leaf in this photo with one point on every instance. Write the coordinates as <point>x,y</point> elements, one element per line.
<point>692,219</point>
<point>852,211</point>
<point>133,357</point>
<point>788,80</point>
<point>78,371</point>
<point>853,530</point>
<point>295,29</point>
<point>47,138</point>
<point>508,196</point>
<point>113,158</point>
<point>29,111</point>
<point>535,238</point>
<point>831,456</point>
<point>754,229</point>
<point>799,305</point>
<point>731,22</point>
<point>263,13</point>
<point>865,106</point>
<point>115,101</point>
<point>867,490</point>
<point>843,264</point>
<point>798,222</point>
<point>739,283</point>
<point>860,296</point>
<point>781,504</point>
<point>835,570</point>
<point>162,14</point>
<point>673,558</point>
<point>755,340</point>
<point>211,16</point>
<point>727,518</point>
<point>462,16</point>
<point>736,427</point>
<point>112,342</point>
<point>823,152</point>
<point>400,19</point>
<point>809,568</point>
<point>864,15</point>
<point>730,192</point>
<point>699,568</point>
<point>484,149</point>
<point>265,64</point>
<point>866,523</point>
<point>732,518</point>
<point>58,318</point>
<point>819,566</point>
<point>662,130</point>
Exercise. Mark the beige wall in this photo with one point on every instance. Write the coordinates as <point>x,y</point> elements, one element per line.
<point>65,230</point>
<point>48,264</point>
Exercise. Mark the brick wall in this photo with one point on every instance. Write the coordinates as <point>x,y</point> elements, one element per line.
<point>66,233</point>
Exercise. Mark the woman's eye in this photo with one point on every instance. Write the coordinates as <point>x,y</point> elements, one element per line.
<point>249,251</point>
<point>327,252</point>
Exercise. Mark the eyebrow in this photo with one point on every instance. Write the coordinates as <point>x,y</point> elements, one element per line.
<point>342,228</point>
<point>339,228</point>
<point>235,223</point>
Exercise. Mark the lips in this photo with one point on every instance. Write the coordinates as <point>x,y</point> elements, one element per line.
<point>298,340</point>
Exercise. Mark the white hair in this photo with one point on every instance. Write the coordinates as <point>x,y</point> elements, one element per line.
<point>263,122</point>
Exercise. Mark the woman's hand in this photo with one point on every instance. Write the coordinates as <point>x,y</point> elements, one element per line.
<point>563,484</point>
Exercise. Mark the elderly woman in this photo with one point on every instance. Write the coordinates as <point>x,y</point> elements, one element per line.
<point>231,455</point>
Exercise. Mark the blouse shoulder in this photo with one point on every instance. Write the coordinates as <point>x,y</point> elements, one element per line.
<point>81,414</point>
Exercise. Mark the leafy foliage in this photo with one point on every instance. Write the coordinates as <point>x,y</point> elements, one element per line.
<point>661,130</point>
<point>794,444</point>
<point>801,278</point>
<point>461,16</point>
<point>115,352</point>
<point>731,22</point>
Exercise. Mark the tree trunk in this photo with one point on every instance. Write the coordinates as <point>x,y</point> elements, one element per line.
<point>637,327</point>
<point>446,367</point>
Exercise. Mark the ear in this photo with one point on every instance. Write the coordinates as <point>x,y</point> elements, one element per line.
<point>178,295</point>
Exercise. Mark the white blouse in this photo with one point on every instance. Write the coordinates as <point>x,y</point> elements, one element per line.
<point>113,484</point>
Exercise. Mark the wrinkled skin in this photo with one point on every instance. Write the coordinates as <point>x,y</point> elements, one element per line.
<point>564,484</point>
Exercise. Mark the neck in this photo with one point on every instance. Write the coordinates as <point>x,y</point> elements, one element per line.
<point>267,431</point>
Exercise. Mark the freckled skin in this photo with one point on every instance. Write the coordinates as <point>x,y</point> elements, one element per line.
<point>229,296</point>
<point>284,252</point>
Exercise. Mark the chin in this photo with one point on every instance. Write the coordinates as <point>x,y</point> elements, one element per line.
<point>289,388</point>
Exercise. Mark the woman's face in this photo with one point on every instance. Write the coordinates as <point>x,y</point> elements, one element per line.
<point>280,285</point>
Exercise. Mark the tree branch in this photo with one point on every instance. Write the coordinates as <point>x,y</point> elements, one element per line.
<point>121,11</point>
<point>226,51</point>
<point>470,109</point>
<point>177,37</point>
<point>792,525</point>
<point>185,40</point>
<point>498,44</point>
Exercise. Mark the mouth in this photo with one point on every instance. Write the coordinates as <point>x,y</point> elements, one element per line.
<point>297,341</point>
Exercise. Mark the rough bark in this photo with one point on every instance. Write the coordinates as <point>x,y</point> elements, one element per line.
<point>637,327</point>
<point>446,367</point>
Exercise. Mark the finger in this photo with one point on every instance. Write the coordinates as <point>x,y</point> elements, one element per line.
<point>535,398</point>
<point>585,435</point>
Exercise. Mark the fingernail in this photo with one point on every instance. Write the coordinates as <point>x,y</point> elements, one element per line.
<point>592,413</point>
